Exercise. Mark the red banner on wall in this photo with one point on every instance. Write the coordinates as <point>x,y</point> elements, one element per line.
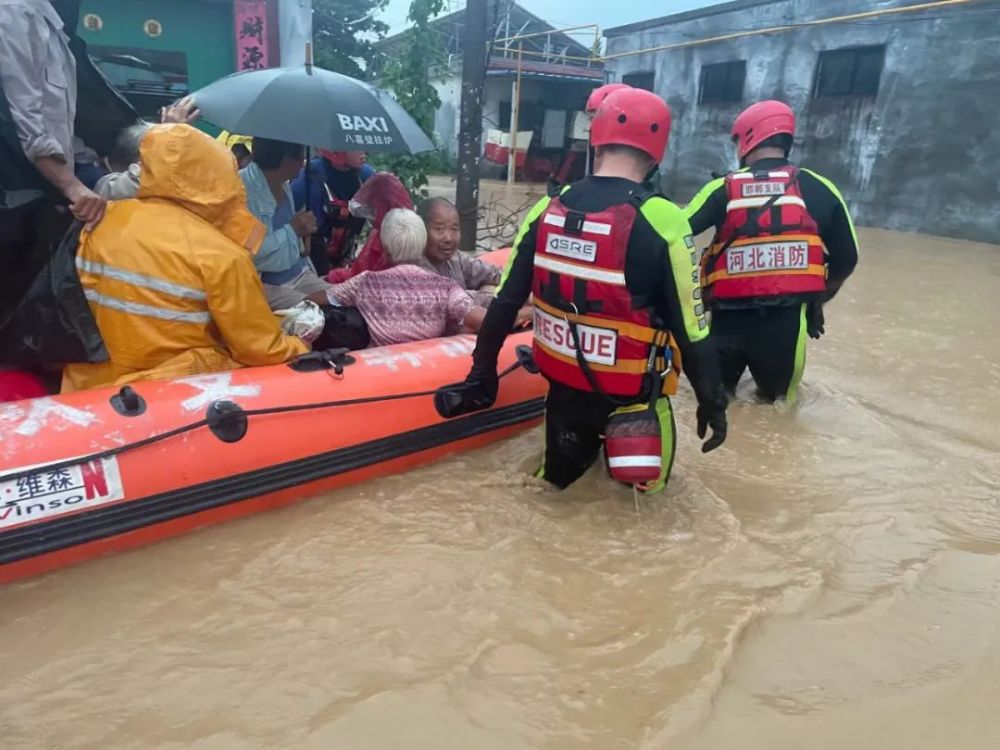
<point>252,28</point>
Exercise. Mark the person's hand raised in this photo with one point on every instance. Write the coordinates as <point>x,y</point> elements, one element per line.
<point>183,111</point>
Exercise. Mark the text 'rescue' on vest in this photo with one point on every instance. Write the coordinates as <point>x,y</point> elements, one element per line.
<point>769,245</point>
<point>579,283</point>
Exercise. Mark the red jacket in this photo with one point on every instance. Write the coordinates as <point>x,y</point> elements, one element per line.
<point>381,193</point>
<point>16,385</point>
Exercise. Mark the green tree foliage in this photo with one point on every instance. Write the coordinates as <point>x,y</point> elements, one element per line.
<point>407,76</point>
<point>344,32</point>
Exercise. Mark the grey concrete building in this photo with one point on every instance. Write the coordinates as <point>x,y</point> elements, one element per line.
<point>557,76</point>
<point>901,110</point>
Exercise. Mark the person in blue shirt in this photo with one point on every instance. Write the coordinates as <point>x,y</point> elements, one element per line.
<point>333,179</point>
<point>282,262</point>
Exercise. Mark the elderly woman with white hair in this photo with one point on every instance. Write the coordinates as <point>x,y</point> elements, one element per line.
<point>406,302</point>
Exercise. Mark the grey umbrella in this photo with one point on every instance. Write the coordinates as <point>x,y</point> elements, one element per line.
<point>311,106</point>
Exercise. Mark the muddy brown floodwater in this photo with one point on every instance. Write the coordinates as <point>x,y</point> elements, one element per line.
<point>829,579</point>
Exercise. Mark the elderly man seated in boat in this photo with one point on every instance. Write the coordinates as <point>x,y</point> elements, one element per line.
<point>283,259</point>
<point>169,274</point>
<point>443,258</point>
<point>406,302</point>
<point>124,160</point>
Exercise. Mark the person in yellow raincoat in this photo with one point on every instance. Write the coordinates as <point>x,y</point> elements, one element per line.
<point>169,275</point>
<point>240,145</point>
<point>232,139</point>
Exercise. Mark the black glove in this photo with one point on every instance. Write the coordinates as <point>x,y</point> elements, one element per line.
<point>714,417</point>
<point>477,392</point>
<point>815,320</point>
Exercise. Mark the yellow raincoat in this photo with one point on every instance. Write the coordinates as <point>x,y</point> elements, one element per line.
<point>231,139</point>
<point>169,275</point>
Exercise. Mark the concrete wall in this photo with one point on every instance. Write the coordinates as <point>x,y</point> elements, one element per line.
<point>447,119</point>
<point>295,27</point>
<point>497,90</point>
<point>921,156</point>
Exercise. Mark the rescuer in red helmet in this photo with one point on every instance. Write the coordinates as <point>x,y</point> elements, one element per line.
<point>327,184</point>
<point>784,244</point>
<point>618,308</point>
<point>594,101</point>
<point>598,95</point>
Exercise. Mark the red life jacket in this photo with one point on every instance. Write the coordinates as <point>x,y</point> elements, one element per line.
<point>579,278</point>
<point>771,253</point>
<point>340,221</point>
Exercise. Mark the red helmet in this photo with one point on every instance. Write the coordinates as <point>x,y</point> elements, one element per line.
<point>598,95</point>
<point>633,117</point>
<point>760,121</point>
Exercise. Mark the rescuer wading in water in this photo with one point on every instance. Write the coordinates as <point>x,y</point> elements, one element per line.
<point>784,245</point>
<point>618,307</point>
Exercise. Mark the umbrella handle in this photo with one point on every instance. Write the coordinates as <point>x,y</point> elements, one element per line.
<point>308,174</point>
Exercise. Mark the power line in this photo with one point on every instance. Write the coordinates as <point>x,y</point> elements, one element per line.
<point>781,28</point>
<point>928,16</point>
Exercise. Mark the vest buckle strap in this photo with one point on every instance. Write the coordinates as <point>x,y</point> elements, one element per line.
<point>574,222</point>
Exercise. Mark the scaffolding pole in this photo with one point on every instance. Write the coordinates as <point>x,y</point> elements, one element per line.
<point>515,108</point>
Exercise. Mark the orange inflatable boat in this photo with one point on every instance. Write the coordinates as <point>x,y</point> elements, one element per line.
<point>89,473</point>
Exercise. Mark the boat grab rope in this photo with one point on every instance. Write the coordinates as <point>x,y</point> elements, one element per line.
<point>210,422</point>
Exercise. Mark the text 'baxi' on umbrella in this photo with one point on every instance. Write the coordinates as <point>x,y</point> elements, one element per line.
<point>312,106</point>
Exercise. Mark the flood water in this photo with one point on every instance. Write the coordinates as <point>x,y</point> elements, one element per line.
<point>828,579</point>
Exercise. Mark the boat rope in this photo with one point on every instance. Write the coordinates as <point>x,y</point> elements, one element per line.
<point>247,413</point>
